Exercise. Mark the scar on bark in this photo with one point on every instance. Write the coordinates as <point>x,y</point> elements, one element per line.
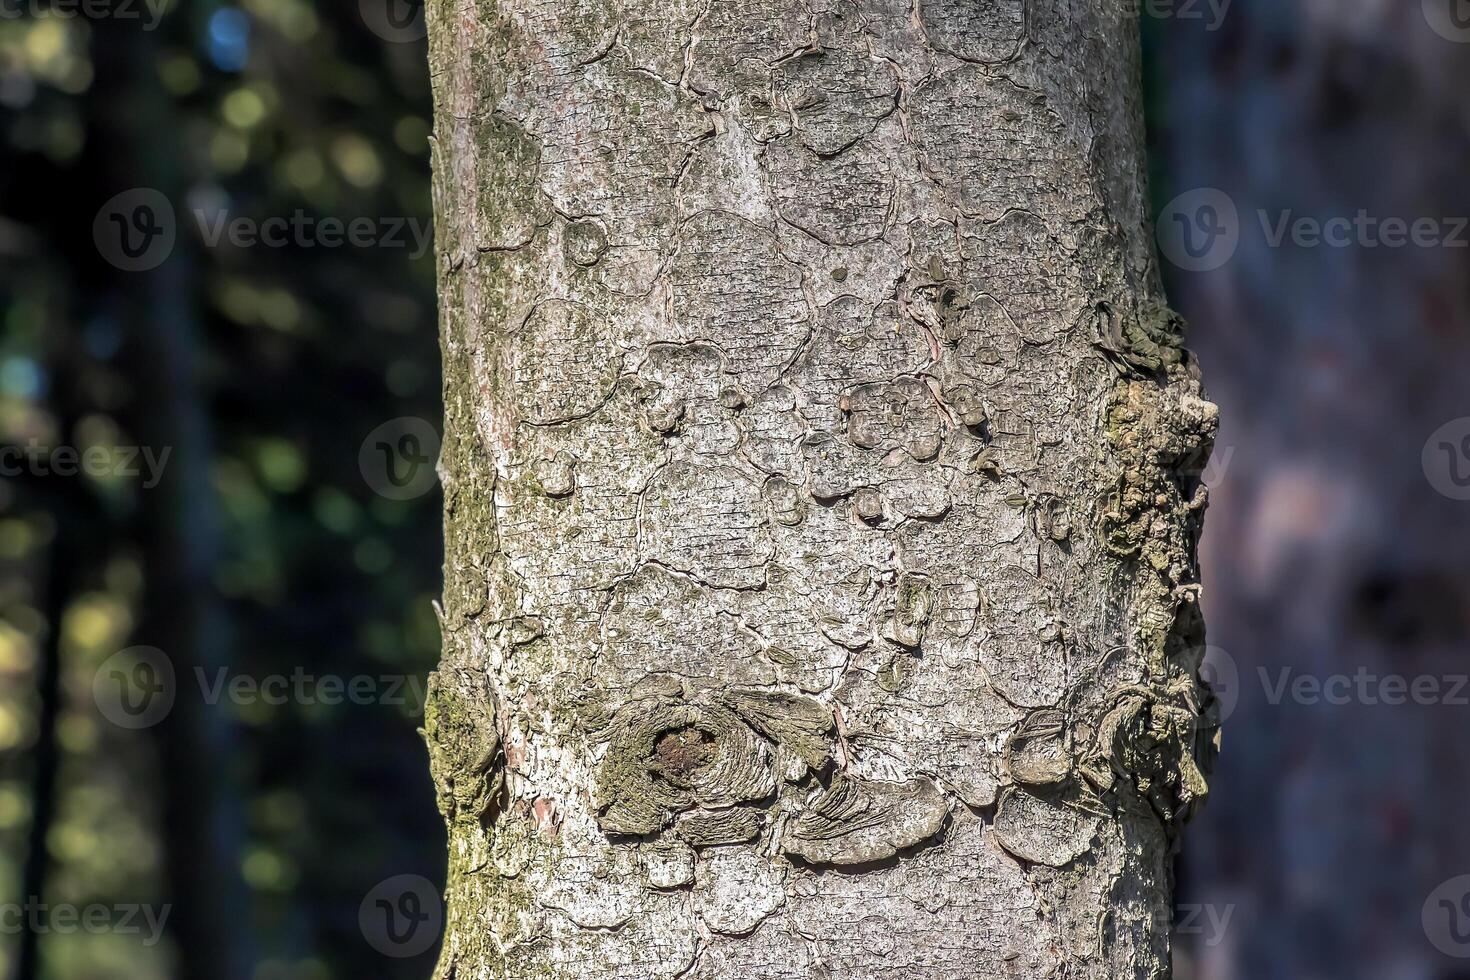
<point>712,767</point>
<point>464,745</point>
<point>682,751</point>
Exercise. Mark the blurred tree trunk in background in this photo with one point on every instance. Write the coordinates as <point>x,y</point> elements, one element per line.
<point>138,145</point>
<point>821,494</point>
<point>1333,552</point>
<point>73,514</point>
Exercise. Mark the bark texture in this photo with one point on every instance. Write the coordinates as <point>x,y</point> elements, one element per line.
<point>821,597</point>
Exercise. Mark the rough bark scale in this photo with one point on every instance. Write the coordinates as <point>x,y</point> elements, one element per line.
<point>820,590</point>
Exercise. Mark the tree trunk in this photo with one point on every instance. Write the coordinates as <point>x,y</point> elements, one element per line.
<point>821,477</point>
<point>135,134</point>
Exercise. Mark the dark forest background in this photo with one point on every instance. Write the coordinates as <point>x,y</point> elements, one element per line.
<point>291,536</point>
<point>266,549</point>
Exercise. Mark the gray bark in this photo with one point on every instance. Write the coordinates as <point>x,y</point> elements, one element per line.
<point>820,497</point>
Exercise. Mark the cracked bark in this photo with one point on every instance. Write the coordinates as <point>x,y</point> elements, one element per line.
<point>821,597</point>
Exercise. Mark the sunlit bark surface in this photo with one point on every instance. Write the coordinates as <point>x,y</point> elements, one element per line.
<point>821,494</point>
